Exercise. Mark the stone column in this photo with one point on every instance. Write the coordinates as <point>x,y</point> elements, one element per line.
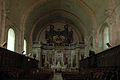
<point>2,21</point>
<point>77,57</point>
<point>40,57</point>
<point>62,58</point>
<point>77,60</point>
<point>71,60</point>
<point>45,59</point>
<point>19,45</point>
<point>53,59</point>
<point>111,12</point>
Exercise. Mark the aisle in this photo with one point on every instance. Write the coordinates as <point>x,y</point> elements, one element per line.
<point>57,76</point>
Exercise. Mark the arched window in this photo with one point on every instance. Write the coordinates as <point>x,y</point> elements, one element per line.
<point>105,37</point>
<point>11,40</point>
<point>25,46</point>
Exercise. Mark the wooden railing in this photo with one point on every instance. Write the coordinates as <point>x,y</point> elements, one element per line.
<point>36,74</point>
<point>93,74</point>
<point>9,59</point>
<point>107,58</point>
<point>20,67</point>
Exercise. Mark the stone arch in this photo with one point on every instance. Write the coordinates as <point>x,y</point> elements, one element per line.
<point>104,35</point>
<point>17,32</point>
<point>70,14</point>
<point>82,3</point>
<point>87,8</point>
<point>11,39</point>
<point>82,25</point>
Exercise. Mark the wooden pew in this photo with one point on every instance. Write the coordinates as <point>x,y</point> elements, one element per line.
<point>13,59</point>
<point>101,73</point>
<point>109,57</point>
<point>14,64</point>
<point>36,74</point>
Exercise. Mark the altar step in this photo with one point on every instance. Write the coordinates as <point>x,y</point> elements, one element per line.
<point>57,76</point>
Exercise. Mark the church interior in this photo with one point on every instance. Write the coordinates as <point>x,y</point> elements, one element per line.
<point>59,40</point>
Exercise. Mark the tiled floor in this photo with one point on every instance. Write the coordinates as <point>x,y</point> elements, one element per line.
<point>57,76</point>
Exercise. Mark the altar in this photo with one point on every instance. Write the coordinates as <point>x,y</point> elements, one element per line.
<point>60,52</point>
<point>60,60</point>
<point>58,67</point>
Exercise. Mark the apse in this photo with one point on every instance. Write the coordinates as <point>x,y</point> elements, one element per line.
<point>58,44</point>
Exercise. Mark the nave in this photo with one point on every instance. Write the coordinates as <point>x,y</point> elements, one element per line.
<point>57,76</point>
<point>19,67</point>
<point>59,39</point>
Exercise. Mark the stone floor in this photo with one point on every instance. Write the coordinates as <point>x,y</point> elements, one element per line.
<point>57,76</point>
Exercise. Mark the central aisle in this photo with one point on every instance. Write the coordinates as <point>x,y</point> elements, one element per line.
<point>57,76</point>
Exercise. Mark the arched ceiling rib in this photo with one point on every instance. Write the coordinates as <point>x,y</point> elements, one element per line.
<point>18,8</point>
<point>55,17</point>
<point>25,13</point>
<point>50,6</point>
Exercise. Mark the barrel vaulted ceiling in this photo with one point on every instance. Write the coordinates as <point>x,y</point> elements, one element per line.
<point>30,15</point>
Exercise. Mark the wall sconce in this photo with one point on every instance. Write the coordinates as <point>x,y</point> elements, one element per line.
<point>109,45</point>
<point>28,60</point>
